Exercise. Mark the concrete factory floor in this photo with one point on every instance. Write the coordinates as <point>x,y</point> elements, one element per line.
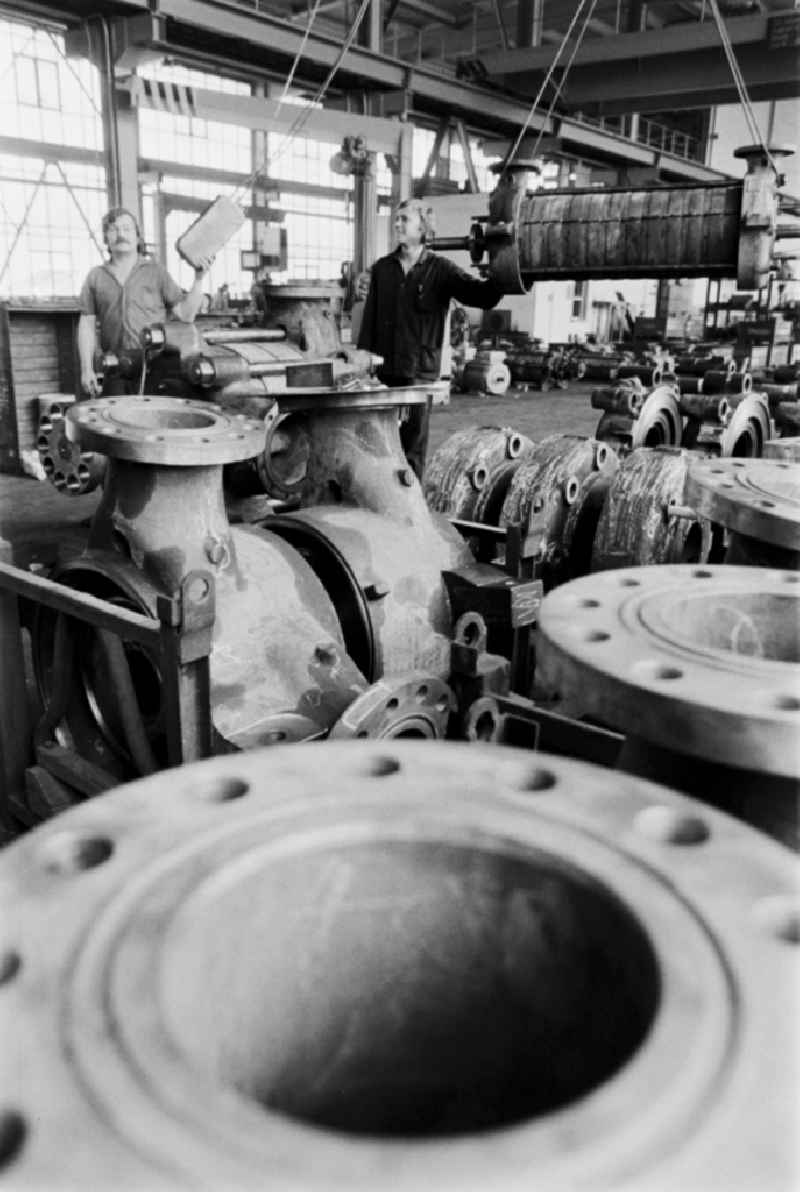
<point>40,525</point>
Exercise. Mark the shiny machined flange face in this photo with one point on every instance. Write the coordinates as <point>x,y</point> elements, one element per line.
<point>164,430</point>
<point>702,660</point>
<point>756,497</point>
<point>398,965</point>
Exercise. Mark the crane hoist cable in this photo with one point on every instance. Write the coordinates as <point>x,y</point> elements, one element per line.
<point>550,71</point>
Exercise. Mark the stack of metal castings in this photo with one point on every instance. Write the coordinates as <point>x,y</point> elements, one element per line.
<point>635,417</point>
<point>699,667</point>
<point>70,470</point>
<point>579,506</point>
<point>398,965</point>
<point>757,501</point>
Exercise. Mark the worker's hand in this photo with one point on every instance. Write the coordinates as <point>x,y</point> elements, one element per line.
<point>89,382</point>
<point>202,267</point>
<point>361,288</point>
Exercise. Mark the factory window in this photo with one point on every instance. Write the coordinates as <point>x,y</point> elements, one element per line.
<point>51,203</point>
<point>579,292</point>
<point>319,235</point>
<point>170,136</point>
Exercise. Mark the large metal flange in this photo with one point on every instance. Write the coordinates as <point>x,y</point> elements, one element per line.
<point>759,498</point>
<point>411,705</point>
<point>699,660</point>
<point>164,430</point>
<point>405,965</point>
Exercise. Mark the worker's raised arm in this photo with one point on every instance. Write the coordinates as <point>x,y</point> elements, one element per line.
<point>469,290</point>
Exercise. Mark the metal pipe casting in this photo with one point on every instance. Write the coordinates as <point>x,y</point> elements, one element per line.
<point>162,517</point>
<point>550,485</point>
<point>646,517</point>
<point>658,422</point>
<point>468,476</point>
<point>404,965</point>
<point>701,663</point>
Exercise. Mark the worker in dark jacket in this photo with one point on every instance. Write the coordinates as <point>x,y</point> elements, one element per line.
<point>405,313</point>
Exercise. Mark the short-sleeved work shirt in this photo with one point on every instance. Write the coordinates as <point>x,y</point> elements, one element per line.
<point>124,310</point>
<point>405,313</point>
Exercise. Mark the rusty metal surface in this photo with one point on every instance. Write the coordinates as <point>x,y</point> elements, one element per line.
<point>553,478</point>
<point>699,660</point>
<point>414,705</point>
<point>384,576</point>
<point>469,474</point>
<point>398,965</point>
<point>759,498</point>
<point>657,423</point>
<point>132,428</point>
<point>645,516</point>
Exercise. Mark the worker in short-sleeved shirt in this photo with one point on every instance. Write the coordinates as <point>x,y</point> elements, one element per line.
<point>126,294</point>
<point>406,311</point>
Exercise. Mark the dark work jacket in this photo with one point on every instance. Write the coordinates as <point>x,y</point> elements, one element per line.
<point>404,314</point>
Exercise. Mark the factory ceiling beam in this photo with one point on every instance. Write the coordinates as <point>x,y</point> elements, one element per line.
<point>689,80</point>
<point>260,42</point>
<point>685,38</point>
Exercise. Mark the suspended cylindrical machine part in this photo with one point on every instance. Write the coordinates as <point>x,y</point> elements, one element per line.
<point>212,949</point>
<point>658,422</point>
<point>645,516</point>
<point>713,230</point>
<point>758,503</point>
<point>699,666</point>
<point>161,522</point>
<point>547,495</point>
<point>468,476</point>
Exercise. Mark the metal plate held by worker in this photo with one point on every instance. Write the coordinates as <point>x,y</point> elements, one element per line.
<point>164,430</point>
<point>398,965</point>
<point>701,660</point>
<point>756,497</point>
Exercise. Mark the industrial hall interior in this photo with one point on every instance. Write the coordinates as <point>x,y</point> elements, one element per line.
<point>399,596</point>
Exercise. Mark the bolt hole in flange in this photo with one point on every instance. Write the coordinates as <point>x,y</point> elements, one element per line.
<point>780,917</point>
<point>10,964</point>
<point>13,1132</point>
<point>665,825</point>
<point>66,853</point>
<point>450,1030</point>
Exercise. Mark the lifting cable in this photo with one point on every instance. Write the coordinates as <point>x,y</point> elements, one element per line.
<point>550,71</point>
<point>741,86</point>
<point>305,112</point>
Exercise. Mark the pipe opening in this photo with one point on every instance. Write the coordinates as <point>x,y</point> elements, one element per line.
<point>179,418</point>
<point>411,989</point>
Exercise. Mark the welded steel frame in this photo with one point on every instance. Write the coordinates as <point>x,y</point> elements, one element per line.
<point>180,638</point>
